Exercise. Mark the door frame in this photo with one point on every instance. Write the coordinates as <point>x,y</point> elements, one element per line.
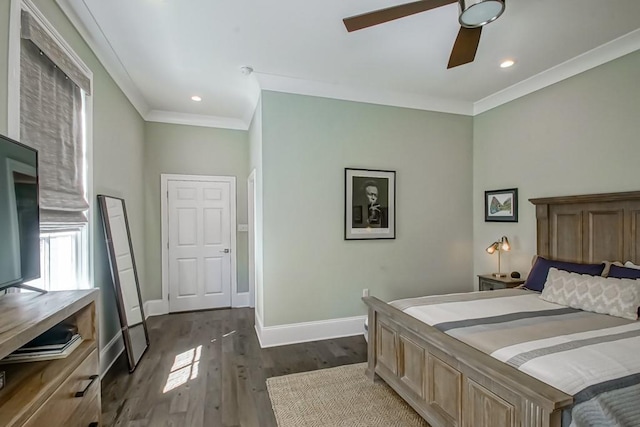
<point>236,299</point>
<point>251,238</point>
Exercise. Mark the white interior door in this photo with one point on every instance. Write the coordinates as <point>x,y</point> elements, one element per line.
<point>124,261</point>
<point>200,226</point>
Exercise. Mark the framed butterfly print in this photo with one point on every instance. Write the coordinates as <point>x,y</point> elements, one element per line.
<point>501,205</point>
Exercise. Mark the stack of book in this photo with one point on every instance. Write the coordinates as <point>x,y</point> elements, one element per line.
<point>57,343</point>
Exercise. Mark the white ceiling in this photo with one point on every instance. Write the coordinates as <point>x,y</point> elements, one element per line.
<point>161,52</point>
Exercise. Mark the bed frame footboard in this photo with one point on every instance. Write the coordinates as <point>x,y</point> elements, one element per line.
<point>450,383</point>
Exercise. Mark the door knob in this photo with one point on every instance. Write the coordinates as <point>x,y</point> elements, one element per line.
<point>226,251</point>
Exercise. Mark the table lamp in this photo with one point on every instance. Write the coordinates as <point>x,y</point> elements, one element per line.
<point>500,245</point>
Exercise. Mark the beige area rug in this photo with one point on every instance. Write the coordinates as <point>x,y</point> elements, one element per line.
<point>341,396</point>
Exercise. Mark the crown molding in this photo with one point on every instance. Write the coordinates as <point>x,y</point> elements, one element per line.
<point>82,19</point>
<point>177,118</point>
<point>602,54</point>
<point>297,86</point>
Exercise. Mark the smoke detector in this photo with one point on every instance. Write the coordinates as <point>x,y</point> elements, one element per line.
<point>246,70</point>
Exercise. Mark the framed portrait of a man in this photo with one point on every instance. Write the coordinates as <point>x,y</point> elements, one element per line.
<point>370,204</point>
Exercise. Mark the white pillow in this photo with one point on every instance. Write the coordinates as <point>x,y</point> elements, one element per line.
<point>629,264</point>
<point>606,295</point>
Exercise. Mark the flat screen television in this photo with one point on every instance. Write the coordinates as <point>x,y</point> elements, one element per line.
<point>19,214</point>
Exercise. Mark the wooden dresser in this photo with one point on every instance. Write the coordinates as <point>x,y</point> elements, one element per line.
<point>63,392</point>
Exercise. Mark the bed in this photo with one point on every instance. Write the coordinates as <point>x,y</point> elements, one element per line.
<point>451,383</point>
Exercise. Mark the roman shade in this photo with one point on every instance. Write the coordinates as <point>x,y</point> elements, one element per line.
<point>36,34</point>
<point>51,121</point>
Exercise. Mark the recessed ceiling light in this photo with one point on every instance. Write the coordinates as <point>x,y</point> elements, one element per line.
<point>507,63</point>
<point>196,98</point>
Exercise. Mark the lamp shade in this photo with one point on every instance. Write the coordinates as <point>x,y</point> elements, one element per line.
<point>500,245</point>
<point>476,13</point>
<point>494,247</point>
<point>505,244</point>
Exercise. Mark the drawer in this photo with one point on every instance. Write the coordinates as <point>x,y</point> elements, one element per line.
<point>490,285</point>
<point>63,408</point>
<point>88,415</point>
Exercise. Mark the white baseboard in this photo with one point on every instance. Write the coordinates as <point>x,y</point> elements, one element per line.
<point>272,336</point>
<point>155,307</point>
<point>110,353</point>
<point>158,307</point>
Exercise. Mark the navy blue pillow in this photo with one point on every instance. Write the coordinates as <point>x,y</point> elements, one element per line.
<point>624,272</point>
<point>538,274</point>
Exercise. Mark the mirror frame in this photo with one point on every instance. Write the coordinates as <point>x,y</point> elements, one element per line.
<point>122,312</point>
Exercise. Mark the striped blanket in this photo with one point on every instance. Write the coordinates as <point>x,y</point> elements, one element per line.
<point>593,357</point>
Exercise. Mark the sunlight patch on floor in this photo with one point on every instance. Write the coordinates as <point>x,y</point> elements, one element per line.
<point>185,368</point>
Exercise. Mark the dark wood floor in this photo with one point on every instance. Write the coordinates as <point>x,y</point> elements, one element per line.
<point>193,375</point>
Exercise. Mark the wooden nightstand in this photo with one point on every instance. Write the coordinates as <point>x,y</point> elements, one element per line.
<point>488,282</point>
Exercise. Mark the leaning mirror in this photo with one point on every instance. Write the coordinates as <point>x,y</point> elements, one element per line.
<point>125,278</point>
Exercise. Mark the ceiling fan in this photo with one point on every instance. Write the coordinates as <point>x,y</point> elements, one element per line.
<point>474,14</point>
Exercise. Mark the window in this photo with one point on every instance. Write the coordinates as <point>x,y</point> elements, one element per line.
<point>60,261</point>
<point>55,87</point>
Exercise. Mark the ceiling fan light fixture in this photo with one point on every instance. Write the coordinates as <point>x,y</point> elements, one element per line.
<point>476,13</point>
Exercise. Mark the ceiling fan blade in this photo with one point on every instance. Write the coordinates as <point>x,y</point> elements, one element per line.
<point>370,19</point>
<point>465,47</point>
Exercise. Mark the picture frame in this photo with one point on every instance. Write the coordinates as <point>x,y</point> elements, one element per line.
<point>370,204</point>
<point>501,205</point>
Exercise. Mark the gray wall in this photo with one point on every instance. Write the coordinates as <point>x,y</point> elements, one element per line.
<point>191,150</point>
<point>579,136</point>
<point>117,150</point>
<point>310,271</point>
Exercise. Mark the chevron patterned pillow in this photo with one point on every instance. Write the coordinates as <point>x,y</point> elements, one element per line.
<point>606,295</point>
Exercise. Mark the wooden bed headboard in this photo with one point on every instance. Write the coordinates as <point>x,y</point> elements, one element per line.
<point>590,228</point>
